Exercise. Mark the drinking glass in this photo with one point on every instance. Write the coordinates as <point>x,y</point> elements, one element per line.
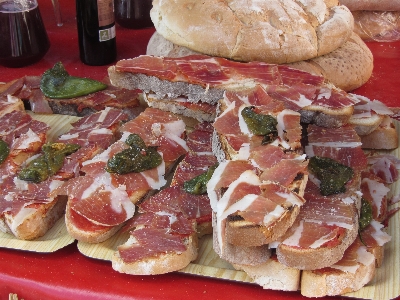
<point>22,33</point>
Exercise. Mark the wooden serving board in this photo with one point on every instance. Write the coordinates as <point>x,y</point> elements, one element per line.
<point>385,284</point>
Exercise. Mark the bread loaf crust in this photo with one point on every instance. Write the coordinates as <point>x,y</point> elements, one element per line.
<point>39,222</point>
<point>269,31</point>
<point>381,5</point>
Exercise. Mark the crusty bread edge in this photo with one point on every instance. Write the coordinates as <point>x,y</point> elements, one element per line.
<point>160,264</point>
<point>39,222</point>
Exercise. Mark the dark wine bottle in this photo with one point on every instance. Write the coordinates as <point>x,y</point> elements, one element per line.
<point>96,31</point>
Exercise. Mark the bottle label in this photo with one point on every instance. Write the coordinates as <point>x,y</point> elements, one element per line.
<point>106,12</point>
<point>107,34</point>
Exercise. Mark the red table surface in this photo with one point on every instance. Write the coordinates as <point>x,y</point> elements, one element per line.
<point>67,274</point>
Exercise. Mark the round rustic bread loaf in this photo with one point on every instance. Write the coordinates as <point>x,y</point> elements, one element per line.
<point>274,31</point>
<point>347,67</point>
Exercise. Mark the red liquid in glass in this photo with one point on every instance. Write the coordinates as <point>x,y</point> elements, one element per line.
<point>23,36</point>
<point>133,13</point>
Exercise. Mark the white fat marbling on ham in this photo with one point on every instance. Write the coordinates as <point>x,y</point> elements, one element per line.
<point>273,215</point>
<point>158,183</point>
<point>68,136</point>
<point>291,198</point>
<point>119,200</point>
<point>172,217</point>
<point>324,92</point>
<point>365,107</point>
<point>380,236</point>
<point>101,157</point>
<point>240,205</point>
<point>103,114</point>
<point>22,215</point>
<point>12,99</point>
<point>242,124</point>
<point>377,191</point>
<point>101,131</point>
<point>177,139</point>
<point>246,177</point>
<point>322,240</point>
<point>222,205</point>
<point>174,127</point>
<point>20,184</point>
<point>244,154</point>
<point>281,126</point>
<point>25,140</point>
<point>303,101</point>
<point>212,183</point>
<point>386,167</point>
<point>294,239</point>
<point>230,107</point>
<point>333,145</point>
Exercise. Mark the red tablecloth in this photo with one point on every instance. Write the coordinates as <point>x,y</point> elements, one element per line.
<point>66,274</point>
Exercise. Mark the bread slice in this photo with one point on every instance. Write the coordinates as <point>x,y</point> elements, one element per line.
<point>159,263</point>
<point>77,227</point>
<point>202,112</point>
<point>272,275</point>
<point>325,116</point>
<point>34,221</point>
<point>383,137</point>
<point>253,255</point>
<point>316,258</point>
<point>337,280</point>
<point>240,232</point>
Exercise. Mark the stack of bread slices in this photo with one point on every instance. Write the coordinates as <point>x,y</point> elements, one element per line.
<point>238,64</point>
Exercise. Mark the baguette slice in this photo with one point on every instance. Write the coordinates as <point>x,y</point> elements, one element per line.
<point>351,273</point>
<point>159,263</point>
<point>33,222</point>
<point>272,275</point>
<point>202,112</point>
<point>383,137</point>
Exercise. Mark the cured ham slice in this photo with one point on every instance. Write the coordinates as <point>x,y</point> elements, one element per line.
<point>173,217</point>
<point>160,129</point>
<point>385,167</point>
<point>285,171</point>
<point>107,199</point>
<point>296,89</point>
<point>9,103</point>
<point>28,89</point>
<point>24,137</point>
<point>375,192</point>
<point>93,133</point>
<point>341,144</point>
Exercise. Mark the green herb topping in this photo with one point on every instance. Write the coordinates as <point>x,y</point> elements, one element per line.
<point>137,158</point>
<point>365,214</point>
<point>46,165</point>
<point>57,83</point>
<point>260,124</point>
<point>333,175</point>
<point>198,184</point>
<point>4,151</point>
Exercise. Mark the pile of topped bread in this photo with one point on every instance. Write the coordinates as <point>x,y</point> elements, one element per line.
<point>281,137</point>
<point>273,164</point>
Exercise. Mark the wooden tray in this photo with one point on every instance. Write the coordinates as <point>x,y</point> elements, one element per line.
<point>385,284</point>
